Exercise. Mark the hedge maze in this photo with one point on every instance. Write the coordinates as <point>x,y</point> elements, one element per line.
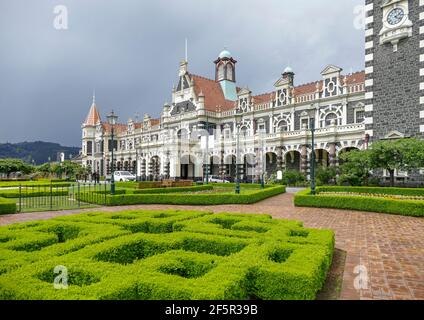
<point>164,255</point>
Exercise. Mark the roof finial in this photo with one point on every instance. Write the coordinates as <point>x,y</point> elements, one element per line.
<point>94,96</point>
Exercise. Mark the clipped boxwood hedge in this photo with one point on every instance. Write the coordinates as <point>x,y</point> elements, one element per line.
<point>374,190</point>
<point>172,190</point>
<point>361,203</point>
<point>34,184</point>
<point>184,199</point>
<point>164,255</point>
<point>7,206</point>
<point>28,193</point>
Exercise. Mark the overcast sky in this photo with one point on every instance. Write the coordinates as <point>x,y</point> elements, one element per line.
<point>129,51</point>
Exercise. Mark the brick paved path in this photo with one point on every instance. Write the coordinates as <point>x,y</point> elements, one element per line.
<point>390,247</point>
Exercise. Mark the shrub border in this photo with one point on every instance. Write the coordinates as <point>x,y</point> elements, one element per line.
<point>7,206</point>
<point>188,199</point>
<point>413,208</point>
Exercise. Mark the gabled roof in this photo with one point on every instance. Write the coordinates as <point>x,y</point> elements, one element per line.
<point>93,116</point>
<point>263,98</point>
<point>118,128</point>
<point>214,97</point>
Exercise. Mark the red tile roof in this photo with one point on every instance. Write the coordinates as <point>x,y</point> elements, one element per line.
<point>93,116</point>
<point>118,128</point>
<point>214,97</point>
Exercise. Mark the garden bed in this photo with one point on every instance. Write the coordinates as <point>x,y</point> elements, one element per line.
<point>407,202</point>
<point>164,255</point>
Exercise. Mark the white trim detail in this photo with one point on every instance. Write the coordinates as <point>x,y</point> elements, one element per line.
<point>370,6</point>
<point>369,70</point>
<point>369,108</point>
<point>369,95</point>
<point>369,120</point>
<point>370,57</point>
<point>369,32</point>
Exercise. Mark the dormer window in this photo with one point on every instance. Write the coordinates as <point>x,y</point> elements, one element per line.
<point>221,75</point>
<point>230,72</point>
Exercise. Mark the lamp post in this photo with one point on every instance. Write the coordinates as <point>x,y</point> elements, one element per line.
<point>112,119</point>
<point>207,149</point>
<point>313,191</point>
<point>136,163</point>
<point>263,161</point>
<point>238,118</point>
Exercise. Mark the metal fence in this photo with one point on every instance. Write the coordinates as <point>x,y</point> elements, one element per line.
<point>30,198</point>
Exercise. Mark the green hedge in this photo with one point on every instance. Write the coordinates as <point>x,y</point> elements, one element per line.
<point>360,203</point>
<point>28,193</point>
<point>187,199</point>
<point>128,184</point>
<point>374,190</point>
<point>34,184</point>
<point>7,206</point>
<point>183,255</point>
<point>172,190</point>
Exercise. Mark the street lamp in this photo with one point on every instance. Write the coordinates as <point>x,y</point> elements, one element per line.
<point>136,163</point>
<point>207,149</point>
<point>112,119</point>
<point>313,191</point>
<point>263,160</point>
<point>238,118</point>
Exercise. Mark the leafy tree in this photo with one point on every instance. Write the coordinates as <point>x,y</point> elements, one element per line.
<point>8,166</point>
<point>325,175</point>
<point>293,178</point>
<point>355,168</point>
<point>402,154</point>
<point>44,169</point>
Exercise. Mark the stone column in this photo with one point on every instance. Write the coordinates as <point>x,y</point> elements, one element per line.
<point>304,160</point>
<point>279,158</point>
<point>332,155</point>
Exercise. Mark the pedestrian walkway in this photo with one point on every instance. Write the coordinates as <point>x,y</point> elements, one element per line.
<point>388,249</point>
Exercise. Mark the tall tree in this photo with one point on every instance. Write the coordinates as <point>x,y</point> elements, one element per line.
<point>402,154</point>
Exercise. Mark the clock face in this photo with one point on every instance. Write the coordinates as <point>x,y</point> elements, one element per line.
<point>395,16</point>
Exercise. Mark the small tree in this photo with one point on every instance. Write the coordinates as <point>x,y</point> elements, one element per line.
<point>8,166</point>
<point>402,154</point>
<point>293,178</point>
<point>355,168</point>
<point>325,175</point>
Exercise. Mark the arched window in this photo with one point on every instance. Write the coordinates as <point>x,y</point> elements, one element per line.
<point>329,118</point>
<point>230,72</point>
<point>244,132</point>
<point>283,126</point>
<point>221,72</point>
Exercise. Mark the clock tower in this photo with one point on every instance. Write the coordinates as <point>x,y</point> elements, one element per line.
<point>394,68</point>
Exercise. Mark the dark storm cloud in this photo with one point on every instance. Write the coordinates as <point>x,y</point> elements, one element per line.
<point>129,52</point>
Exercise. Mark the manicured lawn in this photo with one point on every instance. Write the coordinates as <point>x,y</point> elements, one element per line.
<point>164,255</point>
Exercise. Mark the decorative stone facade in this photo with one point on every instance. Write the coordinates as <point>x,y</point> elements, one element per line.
<point>273,129</point>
